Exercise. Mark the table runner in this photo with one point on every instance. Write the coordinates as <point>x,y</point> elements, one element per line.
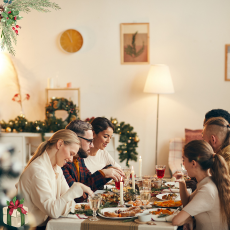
<point>108,224</point>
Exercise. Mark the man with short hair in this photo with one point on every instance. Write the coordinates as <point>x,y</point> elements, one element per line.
<point>217,133</point>
<point>217,113</point>
<point>76,171</point>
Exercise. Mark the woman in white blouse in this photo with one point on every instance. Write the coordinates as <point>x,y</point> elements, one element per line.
<point>42,184</point>
<point>209,203</point>
<point>99,157</point>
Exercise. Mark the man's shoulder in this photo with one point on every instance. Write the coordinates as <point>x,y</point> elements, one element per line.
<point>225,152</point>
<point>68,166</point>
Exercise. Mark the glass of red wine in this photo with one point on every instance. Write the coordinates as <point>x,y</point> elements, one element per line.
<point>160,170</point>
<point>117,184</point>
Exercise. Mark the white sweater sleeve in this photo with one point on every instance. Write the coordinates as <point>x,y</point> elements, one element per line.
<point>110,160</point>
<point>41,196</point>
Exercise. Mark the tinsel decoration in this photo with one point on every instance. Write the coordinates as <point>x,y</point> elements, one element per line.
<point>9,15</point>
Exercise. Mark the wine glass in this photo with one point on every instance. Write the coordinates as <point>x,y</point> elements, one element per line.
<point>146,183</point>
<point>127,172</point>
<point>94,202</point>
<point>160,170</point>
<point>145,195</point>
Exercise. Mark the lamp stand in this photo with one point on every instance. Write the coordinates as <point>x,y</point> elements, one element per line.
<point>157,128</point>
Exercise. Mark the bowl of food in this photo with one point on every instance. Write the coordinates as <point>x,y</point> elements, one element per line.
<point>144,217</point>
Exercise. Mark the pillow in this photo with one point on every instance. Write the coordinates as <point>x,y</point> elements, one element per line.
<point>191,135</point>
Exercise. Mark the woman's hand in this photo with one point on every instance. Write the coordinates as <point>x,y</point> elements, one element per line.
<point>85,189</point>
<point>179,177</point>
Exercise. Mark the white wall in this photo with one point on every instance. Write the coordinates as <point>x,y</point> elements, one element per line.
<point>188,36</point>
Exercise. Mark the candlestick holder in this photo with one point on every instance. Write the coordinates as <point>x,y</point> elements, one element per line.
<point>121,205</point>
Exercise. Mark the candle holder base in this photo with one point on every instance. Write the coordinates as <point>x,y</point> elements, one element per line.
<point>121,205</point>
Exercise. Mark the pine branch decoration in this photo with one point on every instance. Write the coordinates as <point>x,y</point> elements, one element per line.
<point>9,14</point>
<point>39,5</point>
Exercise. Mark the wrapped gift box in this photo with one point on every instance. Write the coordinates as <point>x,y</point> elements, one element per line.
<point>16,219</point>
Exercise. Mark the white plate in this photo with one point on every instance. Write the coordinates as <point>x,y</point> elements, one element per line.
<point>159,196</point>
<point>175,184</point>
<point>113,210</point>
<point>80,204</point>
<point>155,217</point>
<point>109,186</point>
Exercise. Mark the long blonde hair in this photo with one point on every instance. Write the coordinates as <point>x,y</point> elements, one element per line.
<point>66,135</point>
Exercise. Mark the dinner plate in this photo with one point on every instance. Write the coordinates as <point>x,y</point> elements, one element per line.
<point>174,184</point>
<point>159,196</point>
<point>108,186</point>
<point>113,210</point>
<point>80,204</point>
<point>155,217</point>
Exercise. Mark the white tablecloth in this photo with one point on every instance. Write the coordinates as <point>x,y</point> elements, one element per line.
<point>75,224</point>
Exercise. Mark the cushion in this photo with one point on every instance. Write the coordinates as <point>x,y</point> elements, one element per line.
<point>191,135</point>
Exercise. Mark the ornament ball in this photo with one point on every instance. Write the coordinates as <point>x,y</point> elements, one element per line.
<point>136,139</point>
<point>8,129</point>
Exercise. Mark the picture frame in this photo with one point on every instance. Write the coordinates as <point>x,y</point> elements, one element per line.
<point>134,43</point>
<point>227,62</point>
<point>72,94</point>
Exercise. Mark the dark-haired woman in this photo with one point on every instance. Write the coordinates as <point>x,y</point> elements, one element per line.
<point>99,156</point>
<point>209,203</point>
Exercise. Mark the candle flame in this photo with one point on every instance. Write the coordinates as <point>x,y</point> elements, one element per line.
<point>132,167</point>
<point>140,157</point>
<point>121,178</point>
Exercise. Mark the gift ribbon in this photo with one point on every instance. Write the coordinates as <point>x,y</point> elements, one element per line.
<point>17,205</point>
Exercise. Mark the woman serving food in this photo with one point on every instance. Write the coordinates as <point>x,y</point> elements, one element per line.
<point>99,157</point>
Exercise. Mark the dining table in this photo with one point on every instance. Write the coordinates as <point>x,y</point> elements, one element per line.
<point>74,222</point>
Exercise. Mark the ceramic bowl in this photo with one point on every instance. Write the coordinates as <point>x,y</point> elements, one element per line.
<point>144,217</point>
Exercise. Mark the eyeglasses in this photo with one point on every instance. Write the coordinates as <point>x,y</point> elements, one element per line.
<point>88,140</point>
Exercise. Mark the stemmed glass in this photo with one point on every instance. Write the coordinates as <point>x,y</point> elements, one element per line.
<point>94,202</point>
<point>160,170</point>
<point>127,172</point>
<point>146,183</point>
<point>145,195</point>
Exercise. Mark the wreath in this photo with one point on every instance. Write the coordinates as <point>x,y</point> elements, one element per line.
<point>62,104</point>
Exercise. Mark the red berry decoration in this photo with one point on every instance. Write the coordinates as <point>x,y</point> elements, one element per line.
<point>16,31</point>
<point>9,12</point>
<point>17,26</point>
<point>13,28</point>
<point>15,18</point>
<point>7,18</point>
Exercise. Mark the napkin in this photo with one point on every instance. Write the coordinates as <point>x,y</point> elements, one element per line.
<point>164,219</point>
<point>76,216</point>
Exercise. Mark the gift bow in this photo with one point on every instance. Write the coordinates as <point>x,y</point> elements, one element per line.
<point>17,205</point>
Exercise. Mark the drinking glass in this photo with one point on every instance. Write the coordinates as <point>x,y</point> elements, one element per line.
<point>94,203</point>
<point>127,172</point>
<point>160,170</point>
<point>146,183</point>
<point>117,184</point>
<point>145,195</point>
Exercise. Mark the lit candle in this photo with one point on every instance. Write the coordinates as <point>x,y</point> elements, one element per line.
<point>121,192</point>
<point>133,179</point>
<point>140,167</point>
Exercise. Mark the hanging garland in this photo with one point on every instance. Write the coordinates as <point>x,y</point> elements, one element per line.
<point>128,138</point>
<point>9,16</point>
<point>49,125</point>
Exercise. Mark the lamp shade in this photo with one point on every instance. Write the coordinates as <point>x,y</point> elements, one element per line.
<point>159,80</point>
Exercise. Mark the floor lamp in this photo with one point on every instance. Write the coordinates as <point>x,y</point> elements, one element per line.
<point>159,81</point>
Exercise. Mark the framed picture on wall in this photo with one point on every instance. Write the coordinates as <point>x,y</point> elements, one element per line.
<point>134,43</point>
<point>227,62</point>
